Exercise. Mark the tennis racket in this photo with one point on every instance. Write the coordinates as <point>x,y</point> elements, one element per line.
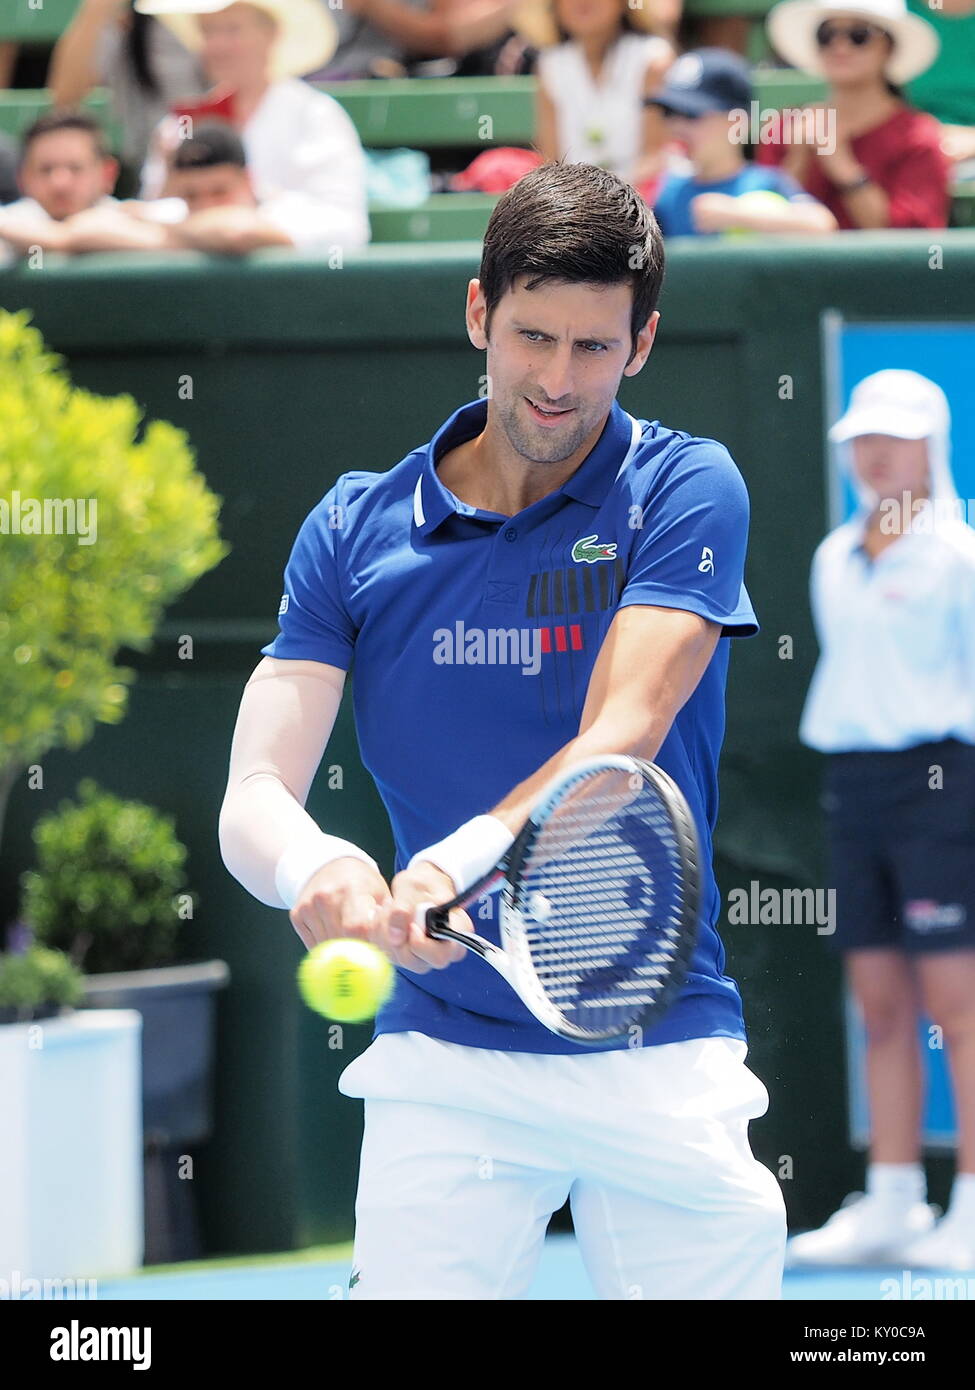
<point>599,901</point>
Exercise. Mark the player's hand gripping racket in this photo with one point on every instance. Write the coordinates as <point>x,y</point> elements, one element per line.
<point>599,901</point>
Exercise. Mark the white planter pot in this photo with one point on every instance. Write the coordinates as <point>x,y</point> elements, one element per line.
<point>71,1146</point>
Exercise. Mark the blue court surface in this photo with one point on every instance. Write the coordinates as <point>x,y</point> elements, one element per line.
<point>561,1277</point>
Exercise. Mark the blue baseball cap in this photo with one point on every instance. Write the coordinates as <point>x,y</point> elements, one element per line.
<point>706,79</point>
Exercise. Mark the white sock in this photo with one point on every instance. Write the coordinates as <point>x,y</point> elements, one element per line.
<point>962,1202</point>
<point>898,1183</point>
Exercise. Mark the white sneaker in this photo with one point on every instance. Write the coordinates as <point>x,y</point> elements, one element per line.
<point>951,1245</point>
<point>866,1230</point>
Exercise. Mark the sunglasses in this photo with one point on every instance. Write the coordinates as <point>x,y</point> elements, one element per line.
<point>856,34</point>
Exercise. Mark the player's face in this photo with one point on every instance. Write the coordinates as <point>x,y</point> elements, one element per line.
<point>222,186</point>
<point>554,359</point>
<point>64,172</point>
<point>237,44</point>
<point>892,466</point>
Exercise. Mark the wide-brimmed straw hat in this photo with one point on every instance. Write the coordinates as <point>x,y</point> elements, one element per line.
<point>792,25</point>
<point>307,34</point>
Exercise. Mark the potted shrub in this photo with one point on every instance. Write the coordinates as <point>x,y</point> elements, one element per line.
<point>36,984</point>
<point>109,891</point>
<point>104,520</point>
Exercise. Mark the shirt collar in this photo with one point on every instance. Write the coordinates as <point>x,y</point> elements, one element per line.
<point>592,480</point>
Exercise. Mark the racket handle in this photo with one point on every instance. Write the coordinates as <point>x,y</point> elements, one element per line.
<point>435,919</point>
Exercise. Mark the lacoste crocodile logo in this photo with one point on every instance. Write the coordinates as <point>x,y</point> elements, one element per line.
<point>590,549</point>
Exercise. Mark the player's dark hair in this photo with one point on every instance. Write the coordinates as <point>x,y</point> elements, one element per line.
<point>64,119</point>
<point>212,143</point>
<point>578,224</point>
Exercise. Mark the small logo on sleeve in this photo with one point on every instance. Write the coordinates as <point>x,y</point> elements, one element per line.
<point>283,605</point>
<point>590,549</point>
<point>707,561</point>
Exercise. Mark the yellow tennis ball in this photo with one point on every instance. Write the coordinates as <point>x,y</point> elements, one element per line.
<point>757,199</point>
<point>345,980</point>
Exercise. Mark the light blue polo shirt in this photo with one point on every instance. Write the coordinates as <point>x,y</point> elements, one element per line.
<point>672,206</point>
<point>471,637</point>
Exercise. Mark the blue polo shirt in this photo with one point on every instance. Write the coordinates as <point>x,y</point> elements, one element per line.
<point>471,637</point>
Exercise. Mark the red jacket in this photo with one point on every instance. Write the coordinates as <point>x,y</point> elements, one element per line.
<point>903,157</point>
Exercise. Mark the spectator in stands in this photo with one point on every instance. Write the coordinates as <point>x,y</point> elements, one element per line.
<point>9,190</point>
<point>882,165</point>
<point>392,38</point>
<point>144,67</point>
<point>947,89</point>
<point>213,208</point>
<point>597,63</point>
<point>65,168</point>
<point>706,97</point>
<point>303,151</point>
<point>892,704</point>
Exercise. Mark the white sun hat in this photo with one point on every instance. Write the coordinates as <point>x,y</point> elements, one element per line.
<point>899,403</point>
<point>307,34</point>
<point>905,405</point>
<point>792,26</point>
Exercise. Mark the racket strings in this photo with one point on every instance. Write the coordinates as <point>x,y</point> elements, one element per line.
<point>601,902</point>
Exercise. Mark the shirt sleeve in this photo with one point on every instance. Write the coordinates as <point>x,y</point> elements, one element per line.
<point>691,548</point>
<point>313,619</point>
<point>790,188</point>
<point>917,187</point>
<point>322,200</point>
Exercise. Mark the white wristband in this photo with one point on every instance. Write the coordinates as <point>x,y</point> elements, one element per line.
<point>302,860</point>
<point>468,854</point>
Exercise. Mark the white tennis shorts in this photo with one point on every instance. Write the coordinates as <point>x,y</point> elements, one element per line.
<point>468,1151</point>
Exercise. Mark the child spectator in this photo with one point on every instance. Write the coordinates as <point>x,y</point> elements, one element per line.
<point>706,94</point>
<point>884,167</point>
<point>597,64</point>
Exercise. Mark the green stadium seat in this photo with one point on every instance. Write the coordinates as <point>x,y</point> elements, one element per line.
<point>433,113</point>
<point>480,112</point>
<point>443,217</point>
<point>18,108</point>
<point>35,21</point>
<point>963,205</point>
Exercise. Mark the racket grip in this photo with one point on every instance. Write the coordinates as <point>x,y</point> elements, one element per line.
<point>435,919</point>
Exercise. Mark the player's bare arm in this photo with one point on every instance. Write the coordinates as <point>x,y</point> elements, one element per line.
<point>286,718</point>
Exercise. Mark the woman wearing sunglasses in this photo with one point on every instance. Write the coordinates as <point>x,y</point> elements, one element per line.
<point>869,156</point>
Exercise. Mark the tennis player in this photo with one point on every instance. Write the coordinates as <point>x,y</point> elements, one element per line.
<point>546,580</point>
